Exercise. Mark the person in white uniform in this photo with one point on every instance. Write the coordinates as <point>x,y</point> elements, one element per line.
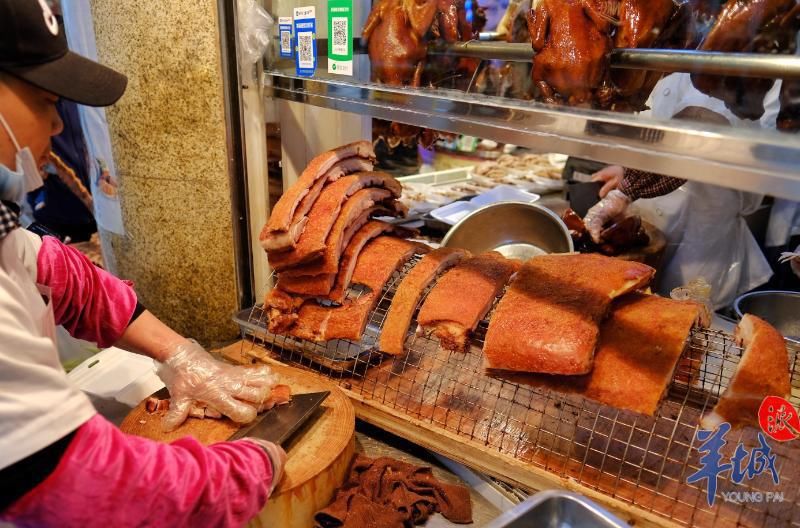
<point>58,458</point>
<point>704,224</point>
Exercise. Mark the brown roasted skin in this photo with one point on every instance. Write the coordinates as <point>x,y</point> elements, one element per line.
<point>395,32</point>
<point>762,371</point>
<point>749,26</point>
<point>646,24</point>
<point>572,45</point>
<point>548,319</point>
<point>476,283</point>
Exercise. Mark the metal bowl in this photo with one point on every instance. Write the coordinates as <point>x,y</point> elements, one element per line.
<point>779,308</point>
<point>514,229</point>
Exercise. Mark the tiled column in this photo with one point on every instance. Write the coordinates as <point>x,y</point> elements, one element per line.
<point>169,140</point>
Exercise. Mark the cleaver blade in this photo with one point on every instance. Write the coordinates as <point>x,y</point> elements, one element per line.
<point>279,423</point>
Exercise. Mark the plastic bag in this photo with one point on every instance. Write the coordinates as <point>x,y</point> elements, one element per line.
<point>255,29</point>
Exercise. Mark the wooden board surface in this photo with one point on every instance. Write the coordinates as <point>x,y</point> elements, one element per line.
<point>318,455</point>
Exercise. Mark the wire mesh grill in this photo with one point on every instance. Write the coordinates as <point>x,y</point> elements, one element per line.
<point>641,460</point>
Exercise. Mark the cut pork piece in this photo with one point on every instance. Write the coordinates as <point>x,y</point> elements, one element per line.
<point>283,227</point>
<point>347,263</point>
<point>375,266</point>
<point>463,296</point>
<point>281,309</point>
<point>548,319</point>
<point>763,371</point>
<point>324,213</point>
<point>408,294</point>
<point>640,345</point>
<point>354,214</point>
<point>326,284</point>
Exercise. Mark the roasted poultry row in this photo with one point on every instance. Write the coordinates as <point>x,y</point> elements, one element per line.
<point>576,322</point>
<point>573,40</point>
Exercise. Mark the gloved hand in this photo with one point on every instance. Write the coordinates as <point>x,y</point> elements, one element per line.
<point>601,213</point>
<point>192,375</point>
<point>793,258</point>
<point>611,177</point>
<point>276,455</point>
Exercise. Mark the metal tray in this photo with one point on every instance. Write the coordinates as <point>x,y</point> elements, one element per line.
<point>557,509</point>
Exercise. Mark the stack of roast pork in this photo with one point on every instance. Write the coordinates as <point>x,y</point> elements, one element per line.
<point>575,322</point>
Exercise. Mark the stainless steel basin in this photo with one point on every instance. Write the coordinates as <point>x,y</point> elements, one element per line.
<point>514,229</point>
<point>557,509</point>
<point>779,308</point>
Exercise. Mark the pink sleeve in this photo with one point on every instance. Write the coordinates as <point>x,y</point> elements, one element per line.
<point>107,478</point>
<point>89,302</point>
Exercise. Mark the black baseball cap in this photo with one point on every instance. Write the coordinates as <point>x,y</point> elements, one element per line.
<point>33,47</point>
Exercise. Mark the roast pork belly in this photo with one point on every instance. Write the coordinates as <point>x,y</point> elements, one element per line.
<point>333,285</point>
<point>355,213</point>
<point>284,225</point>
<point>640,345</point>
<point>548,319</point>
<point>324,213</point>
<point>408,294</point>
<point>349,259</point>
<point>376,264</point>
<point>763,371</point>
<point>281,309</point>
<point>463,296</point>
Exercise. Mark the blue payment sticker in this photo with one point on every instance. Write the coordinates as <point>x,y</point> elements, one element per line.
<point>285,33</point>
<point>305,35</point>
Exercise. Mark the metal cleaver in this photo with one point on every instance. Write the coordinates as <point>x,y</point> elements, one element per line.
<point>279,423</point>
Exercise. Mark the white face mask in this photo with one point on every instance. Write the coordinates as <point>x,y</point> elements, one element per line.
<point>26,164</point>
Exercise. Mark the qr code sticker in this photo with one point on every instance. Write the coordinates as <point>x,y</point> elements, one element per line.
<point>340,37</point>
<point>286,42</point>
<point>305,49</point>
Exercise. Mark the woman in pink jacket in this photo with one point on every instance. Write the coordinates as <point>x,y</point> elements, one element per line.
<point>61,464</point>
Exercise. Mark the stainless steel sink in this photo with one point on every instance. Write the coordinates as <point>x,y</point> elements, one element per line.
<point>557,509</point>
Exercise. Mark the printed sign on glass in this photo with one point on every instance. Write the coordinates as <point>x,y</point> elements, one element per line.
<point>285,33</point>
<point>305,31</point>
<point>340,37</point>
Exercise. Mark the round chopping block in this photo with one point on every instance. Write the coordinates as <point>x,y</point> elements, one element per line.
<point>319,453</point>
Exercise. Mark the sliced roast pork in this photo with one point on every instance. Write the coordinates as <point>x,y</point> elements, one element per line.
<point>475,283</point>
<point>408,294</point>
<point>285,224</point>
<point>324,213</point>
<point>352,216</point>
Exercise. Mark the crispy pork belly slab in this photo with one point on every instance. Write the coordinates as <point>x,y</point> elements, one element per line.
<point>408,294</point>
<point>332,285</point>
<point>350,220</point>
<point>375,266</point>
<point>548,319</point>
<point>276,233</point>
<point>463,296</point>
<point>763,371</point>
<point>347,265</point>
<point>324,213</point>
<point>639,349</point>
<point>640,345</point>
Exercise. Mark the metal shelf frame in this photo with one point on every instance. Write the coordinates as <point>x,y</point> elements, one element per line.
<point>760,161</point>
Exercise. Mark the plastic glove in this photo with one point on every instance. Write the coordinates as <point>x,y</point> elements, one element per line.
<point>192,375</point>
<point>793,258</point>
<point>277,456</point>
<point>607,209</point>
<point>611,177</point>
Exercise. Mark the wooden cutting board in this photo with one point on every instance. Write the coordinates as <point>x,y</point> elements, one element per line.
<point>318,454</point>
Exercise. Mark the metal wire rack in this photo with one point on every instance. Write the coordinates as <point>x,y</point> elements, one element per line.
<point>643,461</point>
